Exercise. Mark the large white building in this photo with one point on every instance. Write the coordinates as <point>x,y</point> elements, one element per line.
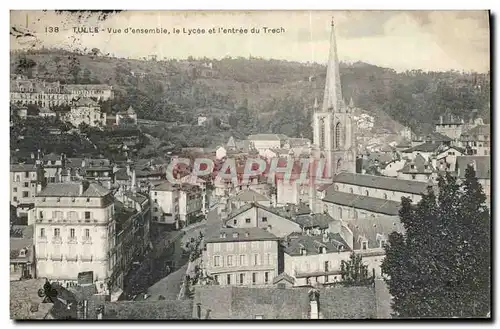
<point>74,232</point>
<point>87,111</point>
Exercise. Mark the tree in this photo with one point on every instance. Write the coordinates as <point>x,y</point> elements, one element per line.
<point>354,271</point>
<point>440,267</point>
<point>74,68</point>
<point>25,66</point>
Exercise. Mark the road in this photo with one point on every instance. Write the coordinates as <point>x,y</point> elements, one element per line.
<point>152,276</point>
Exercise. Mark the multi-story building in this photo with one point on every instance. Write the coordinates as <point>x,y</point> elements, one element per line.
<point>176,204</point>
<point>477,139</point>
<point>262,142</point>
<point>241,256</point>
<point>126,117</point>
<point>482,167</point>
<point>74,232</point>
<point>87,111</point>
<point>99,92</point>
<point>23,185</point>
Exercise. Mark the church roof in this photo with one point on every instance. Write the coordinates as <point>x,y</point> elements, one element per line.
<point>332,100</point>
<point>381,182</point>
<point>356,201</point>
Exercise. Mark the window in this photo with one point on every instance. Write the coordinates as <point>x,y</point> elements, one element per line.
<point>42,233</point>
<point>385,196</point>
<point>72,233</point>
<point>155,209</point>
<point>247,220</point>
<point>340,213</point>
<point>40,214</point>
<point>26,194</point>
<point>15,199</point>
<point>268,259</point>
<point>326,266</point>
<point>26,174</point>
<point>198,310</point>
<point>87,215</point>
<point>235,221</point>
<point>266,277</point>
<point>155,218</point>
<point>216,278</point>
<point>156,193</point>
<point>15,189</point>
<point>256,259</point>
<point>264,219</point>
<point>229,245</point>
<point>254,278</point>
<point>242,260</point>
<point>216,261</point>
<point>57,232</point>
<point>228,279</point>
<point>255,245</point>
<point>367,193</point>
<point>242,278</point>
<point>87,233</point>
<point>26,184</point>
<point>230,260</point>
<point>243,246</point>
<point>413,176</point>
<point>364,245</point>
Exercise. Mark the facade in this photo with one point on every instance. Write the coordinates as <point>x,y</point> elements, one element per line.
<point>176,204</point>
<point>74,231</point>
<point>99,92</point>
<point>333,125</point>
<point>241,256</point>
<point>262,142</point>
<point>477,139</point>
<point>22,259</point>
<point>482,166</point>
<point>450,126</point>
<point>258,216</point>
<point>87,111</point>
<point>23,183</point>
<point>128,117</point>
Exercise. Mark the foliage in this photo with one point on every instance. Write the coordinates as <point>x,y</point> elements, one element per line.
<point>441,266</point>
<point>354,271</point>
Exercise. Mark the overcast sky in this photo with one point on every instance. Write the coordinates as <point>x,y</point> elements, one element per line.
<point>431,40</point>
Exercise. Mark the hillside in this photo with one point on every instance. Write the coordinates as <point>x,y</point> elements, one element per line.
<point>279,93</point>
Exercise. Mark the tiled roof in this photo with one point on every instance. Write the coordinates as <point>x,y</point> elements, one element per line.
<point>137,197</point>
<point>374,229</point>
<point>289,303</point>
<point>249,195</point>
<point>73,189</point>
<point>76,87</point>
<point>22,167</point>
<point>283,276</point>
<point>296,142</point>
<point>425,147</point>
<point>121,174</point>
<point>21,237</point>
<point>149,310</point>
<point>313,220</point>
<point>483,166</point>
<point>482,130</point>
<point>356,201</point>
<point>420,166</point>
<point>164,186</point>
<point>228,234</point>
<point>25,304</point>
<point>381,182</point>
<point>84,101</point>
<point>296,242</point>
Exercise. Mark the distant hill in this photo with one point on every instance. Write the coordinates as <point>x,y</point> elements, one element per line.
<point>177,91</point>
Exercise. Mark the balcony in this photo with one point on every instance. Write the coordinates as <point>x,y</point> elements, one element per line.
<point>86,258</point>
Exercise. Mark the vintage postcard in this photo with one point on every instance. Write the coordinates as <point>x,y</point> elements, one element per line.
<point>250,165</point>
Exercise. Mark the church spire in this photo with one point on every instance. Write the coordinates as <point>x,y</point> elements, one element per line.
<point>333,94</point>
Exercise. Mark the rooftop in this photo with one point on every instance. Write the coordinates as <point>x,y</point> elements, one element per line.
<point>425,147</point>
<point>230,234</point>
<point>374,229</point>
<point>267,137</point>
<point>313,220</point>
<point>22,167</point>
<point>249,195</point>
<point>380,182</point>
<point>149,310</point>
<point>356,201</point>
<point>332,242</point>
<point>25,304</point>
<point>482,165</point>
<point>72,189</point>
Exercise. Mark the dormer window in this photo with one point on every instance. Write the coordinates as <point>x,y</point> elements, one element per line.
<point>22,253</point>
<point>235,235</point>
<point>223,235</point>
<point>303,251</point>
<point>322,250</point>
<point>412,166</point>
<point>364,245</point>
<point>247,234</point>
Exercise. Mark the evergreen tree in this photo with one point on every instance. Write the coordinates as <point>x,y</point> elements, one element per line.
<point>440,267</point>
<point>354,271</point>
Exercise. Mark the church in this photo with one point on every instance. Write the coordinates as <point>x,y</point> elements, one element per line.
<point>334,140</point>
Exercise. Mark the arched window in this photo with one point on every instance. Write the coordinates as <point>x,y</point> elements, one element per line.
<point>385,196</point>
<point>336,187</point>
<point>338,135</point>
<point>322,133</point>
<point>339,165</point>
<point>367,193</point>
<point>351,190</point>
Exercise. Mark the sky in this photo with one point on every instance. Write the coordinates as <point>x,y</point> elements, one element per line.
<point>401,40</point>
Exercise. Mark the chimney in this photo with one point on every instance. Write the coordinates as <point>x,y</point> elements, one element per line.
<point>39,187</point>
<point>133,181</point>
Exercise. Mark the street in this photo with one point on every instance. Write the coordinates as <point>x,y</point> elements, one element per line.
<point>163,273</point>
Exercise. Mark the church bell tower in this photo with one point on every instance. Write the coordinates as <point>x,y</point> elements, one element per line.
<point>333,123</point>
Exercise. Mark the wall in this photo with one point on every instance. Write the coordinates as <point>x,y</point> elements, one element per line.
<point>243,261</point>
<point>164,202</point>
<point>287,192</point>
<point>391,170</point>
<point>18,188</point>
<point>376,192</point>
<point>257,217</point>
